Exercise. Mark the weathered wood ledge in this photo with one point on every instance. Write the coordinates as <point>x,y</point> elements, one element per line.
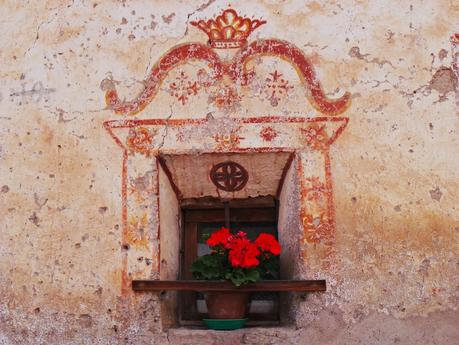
<point>216,285</point>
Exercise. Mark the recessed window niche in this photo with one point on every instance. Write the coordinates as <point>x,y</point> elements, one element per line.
<point>190,204</point>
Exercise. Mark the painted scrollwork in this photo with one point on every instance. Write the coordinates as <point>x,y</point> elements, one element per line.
<point>235,69</point>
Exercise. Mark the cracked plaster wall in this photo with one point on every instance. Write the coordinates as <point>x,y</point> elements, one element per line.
<point>395,175</point>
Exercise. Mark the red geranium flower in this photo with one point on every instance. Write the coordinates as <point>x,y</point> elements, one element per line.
<point>220,237</point>
<point>243,253</point>
<point>268,243</point>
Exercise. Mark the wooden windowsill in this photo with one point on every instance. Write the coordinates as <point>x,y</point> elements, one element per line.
<point>216,285</point>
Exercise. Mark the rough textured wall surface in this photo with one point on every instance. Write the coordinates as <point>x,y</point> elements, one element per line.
<point>390,234</point>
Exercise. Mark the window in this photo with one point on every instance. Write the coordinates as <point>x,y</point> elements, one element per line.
<point>203,216</point>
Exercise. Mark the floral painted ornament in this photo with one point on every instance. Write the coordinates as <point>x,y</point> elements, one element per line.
<point>316,136</point>
<point>140,140</point>
<point>268,133</point>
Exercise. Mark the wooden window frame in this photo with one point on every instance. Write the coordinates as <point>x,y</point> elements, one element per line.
<point>254,210</point>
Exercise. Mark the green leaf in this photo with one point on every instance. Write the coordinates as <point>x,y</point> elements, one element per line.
<point>252,275</point>
<point>240,276</point>
<point>209,267</point>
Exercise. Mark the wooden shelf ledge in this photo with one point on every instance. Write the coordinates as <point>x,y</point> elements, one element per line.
<point>216,285</point>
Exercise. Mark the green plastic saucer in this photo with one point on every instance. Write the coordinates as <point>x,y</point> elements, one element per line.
<point>224,324</point>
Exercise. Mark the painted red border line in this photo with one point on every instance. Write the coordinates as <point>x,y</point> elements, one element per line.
<point>173,151</point>
<point>115,138</point>
<point>128,123</point>
<point>286,119</point>
<point>338,131</point>
<point>329,188</point>
<point>124,232</point>
<point>158,226</point>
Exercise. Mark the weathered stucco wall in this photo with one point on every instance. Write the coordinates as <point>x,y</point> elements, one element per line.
<point>392,262</point>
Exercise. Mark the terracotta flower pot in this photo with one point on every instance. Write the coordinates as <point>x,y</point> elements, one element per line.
<point>227,304</point>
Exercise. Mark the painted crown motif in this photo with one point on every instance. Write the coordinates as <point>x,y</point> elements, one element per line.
<point>228,30</point>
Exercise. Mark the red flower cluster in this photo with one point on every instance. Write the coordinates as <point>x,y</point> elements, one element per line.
<point>241,251</point>
<point>220,238</point>
<point>268,243</point>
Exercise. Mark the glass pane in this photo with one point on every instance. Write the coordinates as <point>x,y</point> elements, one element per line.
<point>253,229</point>
<point>204,230</point>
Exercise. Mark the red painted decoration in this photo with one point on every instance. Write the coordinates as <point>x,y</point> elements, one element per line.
<point>178,55</point>
<point>228,30</point>
<point>276,88</point>
<point>268,133</point>
<point>319,228</point>
<point>226,97</point>
<point>229,176</point>
<point>295,56</point>
<point>315,136</point>
<point>140,140</point>
<point>224,81</point>
<point>182,88</point>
